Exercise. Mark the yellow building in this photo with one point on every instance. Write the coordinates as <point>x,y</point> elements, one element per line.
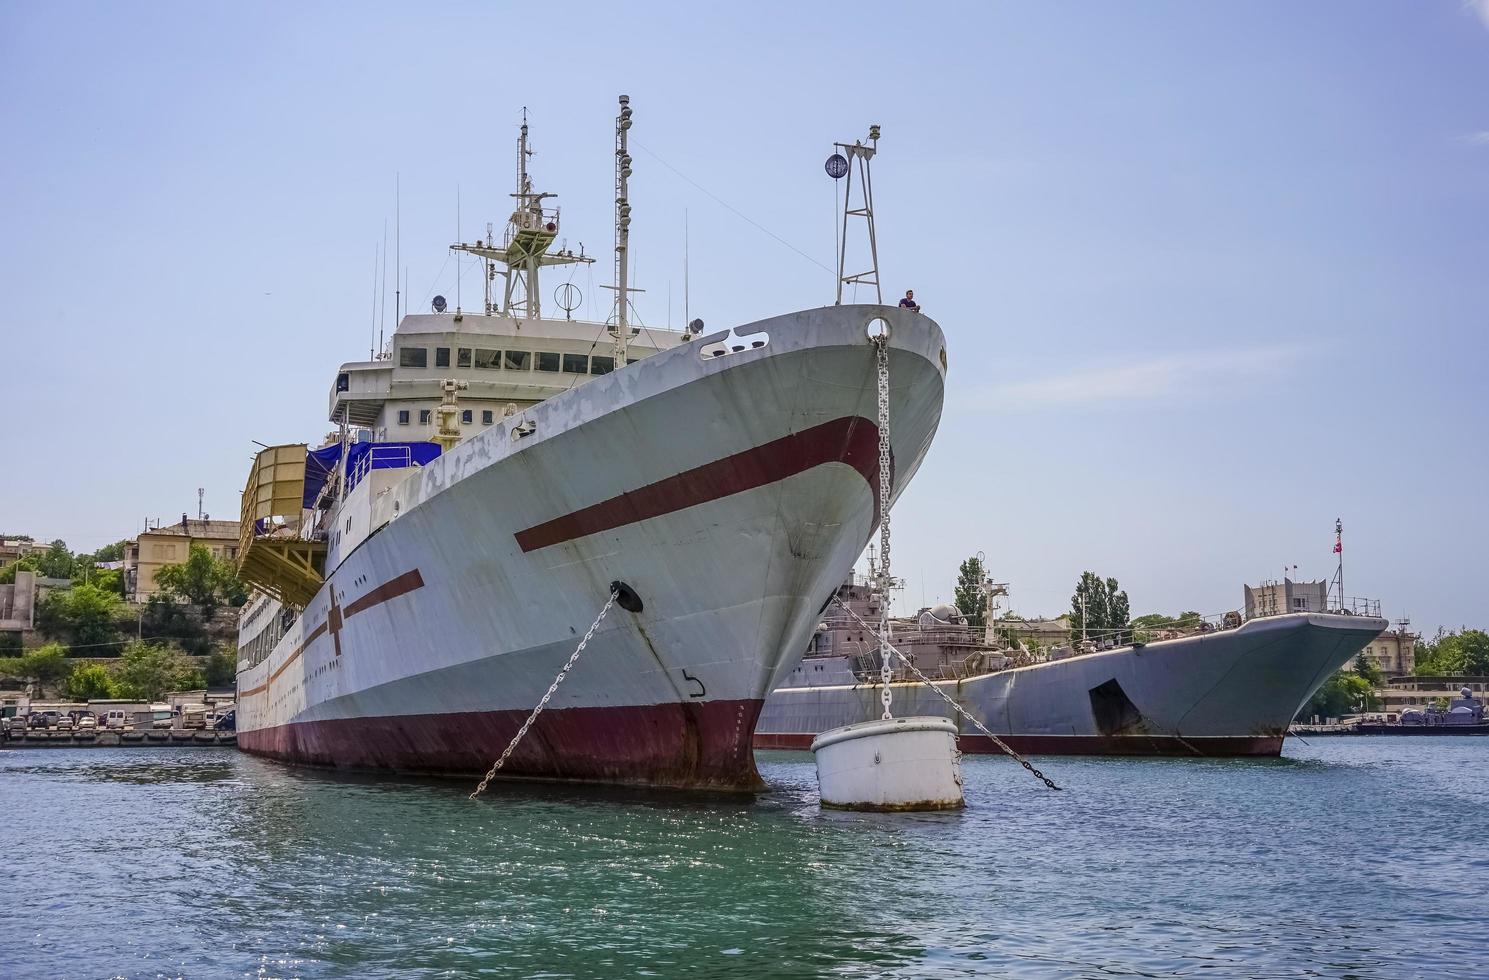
<point>1394,651</point>
<point>157,547</point>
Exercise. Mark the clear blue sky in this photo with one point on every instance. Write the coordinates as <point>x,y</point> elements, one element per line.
<point>1212,274</point>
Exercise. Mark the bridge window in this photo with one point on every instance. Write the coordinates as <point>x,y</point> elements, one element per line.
<point>462,357</point>
<point>486,417</point>
<point>415,357</point>
<point>488,360</point>
<point>547,361</point>
<point>423,416</point>
<point>599,364</point>
<point>517,360</point>
<point>442,357</point>
<point>403,417</point>
<point>576,363</point>
<point>465,417</point>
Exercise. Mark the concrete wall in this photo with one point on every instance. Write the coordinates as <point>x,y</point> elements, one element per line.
<point>18,603</point>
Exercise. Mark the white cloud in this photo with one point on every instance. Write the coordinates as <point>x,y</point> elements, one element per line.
<point>1481,138</point>
<point>1480,7</point>
<point>1138,380</point>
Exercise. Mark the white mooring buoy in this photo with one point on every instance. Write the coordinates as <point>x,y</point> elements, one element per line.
<point>896,764</point>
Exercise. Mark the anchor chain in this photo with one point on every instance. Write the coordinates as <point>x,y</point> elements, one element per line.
<point>885,645</point>
<point>543,703</point>
<point>886,487</point>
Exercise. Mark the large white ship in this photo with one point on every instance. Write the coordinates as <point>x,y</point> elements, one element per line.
<point>1230,689</point>
<point>499,474</point>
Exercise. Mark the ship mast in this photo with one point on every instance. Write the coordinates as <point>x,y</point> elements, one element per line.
<point>531,231</point>
<point>623,291</point>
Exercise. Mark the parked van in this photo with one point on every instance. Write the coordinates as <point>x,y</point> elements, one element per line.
<point>115,718</point>
<point>193,716</point>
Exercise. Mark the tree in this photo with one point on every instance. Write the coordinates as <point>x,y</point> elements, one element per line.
<point>110,580</point>
<point>162,619</point>
<point>222,668</point>
<point>83,615</point>
<point>111,552</point>
<point>1099,610</point>
<point>57,562</point>
<point>10,643</point>
<point>89,682</point>
<point>1346,692</point>
<point>28,563</point>
<point>971,601</point>
<point>44,666</point>
<point>1369,670</point>
<point>147,671</point>
<point>203,580</point>
<point>1464,651</point>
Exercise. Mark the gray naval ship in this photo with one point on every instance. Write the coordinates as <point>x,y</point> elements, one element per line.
<point>1228,688</point>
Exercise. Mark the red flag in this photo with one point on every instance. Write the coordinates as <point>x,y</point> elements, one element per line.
<point>1338,547</point>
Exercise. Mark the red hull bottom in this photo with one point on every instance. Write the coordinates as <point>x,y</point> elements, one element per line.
<point>697,745</point>
<point>1211,746</point>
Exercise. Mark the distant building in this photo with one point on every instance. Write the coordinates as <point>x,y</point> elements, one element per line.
<point>1039,634</point>
<point>1394,651</point>
<point>157,547</point>
<point>13,550</point>
<point>1287,596</point>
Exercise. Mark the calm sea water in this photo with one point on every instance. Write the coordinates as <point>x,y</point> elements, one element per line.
<point>1347,858</point>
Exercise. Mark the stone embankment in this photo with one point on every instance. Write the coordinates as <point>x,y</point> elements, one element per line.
<point>115,739</point>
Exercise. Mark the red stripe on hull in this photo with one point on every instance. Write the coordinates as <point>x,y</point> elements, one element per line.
<point>1208,747</point>
<point>853,441</point>
<point>696,745</point>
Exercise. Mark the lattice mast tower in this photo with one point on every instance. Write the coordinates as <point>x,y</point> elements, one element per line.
<point>524,250</point>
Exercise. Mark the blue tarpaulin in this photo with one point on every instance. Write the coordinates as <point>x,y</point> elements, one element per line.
<point>319,465</point>
<point>362,458</point>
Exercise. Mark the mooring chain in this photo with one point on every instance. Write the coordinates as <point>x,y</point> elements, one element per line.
<point>886,488</point>
<point>886,478</point>
<point>544,702</point>
<point>885,644</point>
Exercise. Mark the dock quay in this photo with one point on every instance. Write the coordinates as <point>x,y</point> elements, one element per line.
<point>114,740</point>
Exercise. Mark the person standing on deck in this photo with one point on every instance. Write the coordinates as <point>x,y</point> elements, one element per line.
<point>909,301</point>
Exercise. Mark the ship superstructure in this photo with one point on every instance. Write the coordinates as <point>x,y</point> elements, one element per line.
<point>498,474</point>
<point>1230,687</point>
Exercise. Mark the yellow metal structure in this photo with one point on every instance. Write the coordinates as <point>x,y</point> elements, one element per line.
<point>272,555</point>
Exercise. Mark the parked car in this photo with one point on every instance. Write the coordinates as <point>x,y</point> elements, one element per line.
<point>39,719</point>
<point>88,723</point>
<point>64,723</point>
<point>228,722</point>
